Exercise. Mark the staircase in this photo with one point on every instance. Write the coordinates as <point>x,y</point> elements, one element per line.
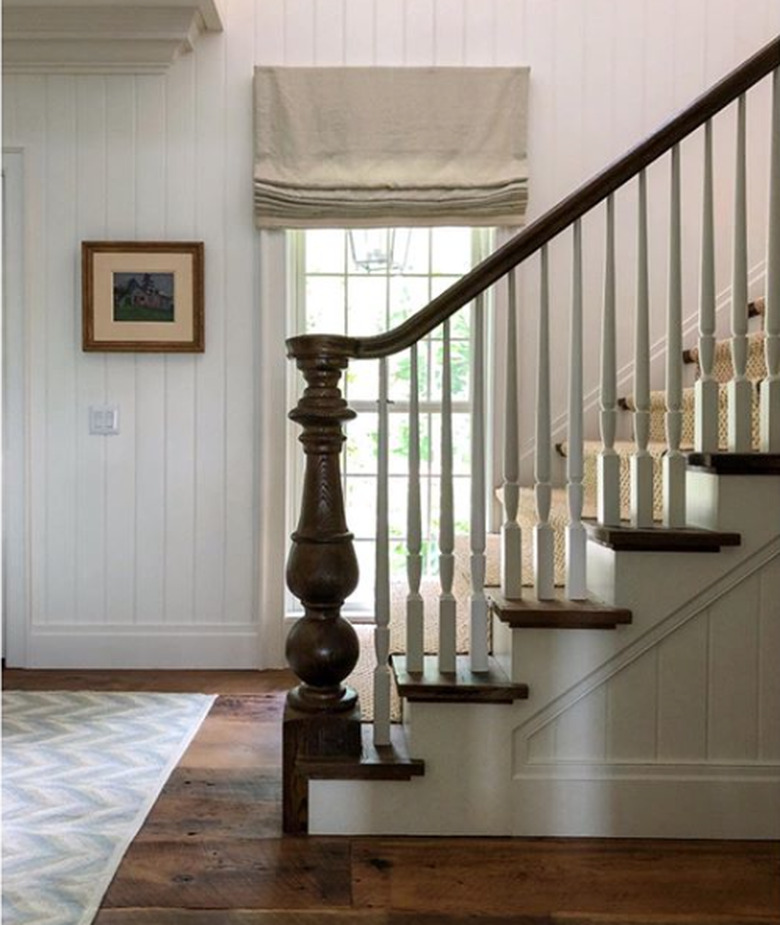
<point>622,677</point>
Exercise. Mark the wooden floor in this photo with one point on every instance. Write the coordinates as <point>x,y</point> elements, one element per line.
<point>212,853</point>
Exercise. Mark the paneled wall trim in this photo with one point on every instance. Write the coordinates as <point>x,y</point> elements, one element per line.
<point>163,533</point>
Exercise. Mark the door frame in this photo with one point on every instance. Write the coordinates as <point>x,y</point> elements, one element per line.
<point>15,405</point>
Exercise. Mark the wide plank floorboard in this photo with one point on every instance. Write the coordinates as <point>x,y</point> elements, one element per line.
<point>225,873</point>
<point>309,917</point>
<point>211,851</point>
<point>537,876</point>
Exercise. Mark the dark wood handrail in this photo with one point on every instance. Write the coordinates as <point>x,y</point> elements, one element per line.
<point>559,217</point>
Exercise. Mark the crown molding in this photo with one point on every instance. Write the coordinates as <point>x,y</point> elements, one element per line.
<point>102,36</point>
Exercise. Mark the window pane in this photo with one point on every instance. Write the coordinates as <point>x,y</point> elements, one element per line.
<point>399,444</point>
<point>461,493</point>
<point>324,305</point>
<point>324,251</point>
<point>408,294</point>
<point>363,380</point>
<point>418,256</point>
<point>361,506</point>
<point>399,371</point>
<point>461,441</point>
<point>361,445</point>
<point>367,305</point>
<point>397,494</point>
<point>451,251</point>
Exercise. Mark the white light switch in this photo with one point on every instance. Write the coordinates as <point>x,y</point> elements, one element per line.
<point>104,419</point>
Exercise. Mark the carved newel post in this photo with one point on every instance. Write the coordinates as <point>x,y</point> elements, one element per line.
<point>322,716</point>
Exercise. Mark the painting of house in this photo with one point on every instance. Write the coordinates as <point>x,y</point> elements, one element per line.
<point>143,297</point>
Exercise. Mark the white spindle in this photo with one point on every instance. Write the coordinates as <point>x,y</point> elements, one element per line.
<point>641,460</point>
<point>609,461</point>
<point>770,387</point>
<point>544,548</point>
<point>576,539</point>
<point>740,388</point>
<point>447,603</point>
<point>706,388</point>
<point>479,649</point>
<point>415,615</point>
<point>511,538</point>
<point>382,587</point>
<point>674,463</point>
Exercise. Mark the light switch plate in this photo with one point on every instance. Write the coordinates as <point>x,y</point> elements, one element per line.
<point>104,420</point>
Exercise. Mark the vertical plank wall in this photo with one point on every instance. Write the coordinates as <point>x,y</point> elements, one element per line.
<point>145,548</point>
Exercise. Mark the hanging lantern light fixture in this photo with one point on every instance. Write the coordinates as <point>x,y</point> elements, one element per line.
<point>380,250</point>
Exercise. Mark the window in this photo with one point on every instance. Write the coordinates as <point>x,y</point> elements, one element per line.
<point>343,282</point>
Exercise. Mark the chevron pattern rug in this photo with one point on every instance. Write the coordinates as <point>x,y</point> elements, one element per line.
<point>81,770</point>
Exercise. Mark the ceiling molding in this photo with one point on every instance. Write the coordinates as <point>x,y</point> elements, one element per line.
<point>102,36</point>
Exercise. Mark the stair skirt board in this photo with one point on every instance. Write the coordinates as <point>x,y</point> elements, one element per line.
<point>668,727</point>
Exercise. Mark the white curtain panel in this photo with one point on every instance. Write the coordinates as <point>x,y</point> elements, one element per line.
<point>368,147</point>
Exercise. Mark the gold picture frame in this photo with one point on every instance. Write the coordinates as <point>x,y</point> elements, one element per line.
<point>142,296</point>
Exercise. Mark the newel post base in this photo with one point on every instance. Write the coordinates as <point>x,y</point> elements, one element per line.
<point>322,716</point>
<point>306,739</point>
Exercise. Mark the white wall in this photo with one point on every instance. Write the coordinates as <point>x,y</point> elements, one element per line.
<point>145,548</point>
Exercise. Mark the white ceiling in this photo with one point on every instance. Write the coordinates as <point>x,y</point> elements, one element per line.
<point>102,36</point>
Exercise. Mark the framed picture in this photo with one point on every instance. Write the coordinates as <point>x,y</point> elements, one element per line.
<point>142,296</point>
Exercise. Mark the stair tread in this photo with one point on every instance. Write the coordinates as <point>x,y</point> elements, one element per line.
<point>755,341</point>
<point>737,463</point>
<point>660,539</point>
<point>382,762</point>
<point>622,448</point>
<point>531,613</point>
<point>464,686</point>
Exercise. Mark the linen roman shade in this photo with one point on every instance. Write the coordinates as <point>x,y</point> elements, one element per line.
<point>365,147</point>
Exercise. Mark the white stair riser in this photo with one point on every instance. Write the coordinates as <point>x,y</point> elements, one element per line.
<point>461,793</point>
<point>746,504</point>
